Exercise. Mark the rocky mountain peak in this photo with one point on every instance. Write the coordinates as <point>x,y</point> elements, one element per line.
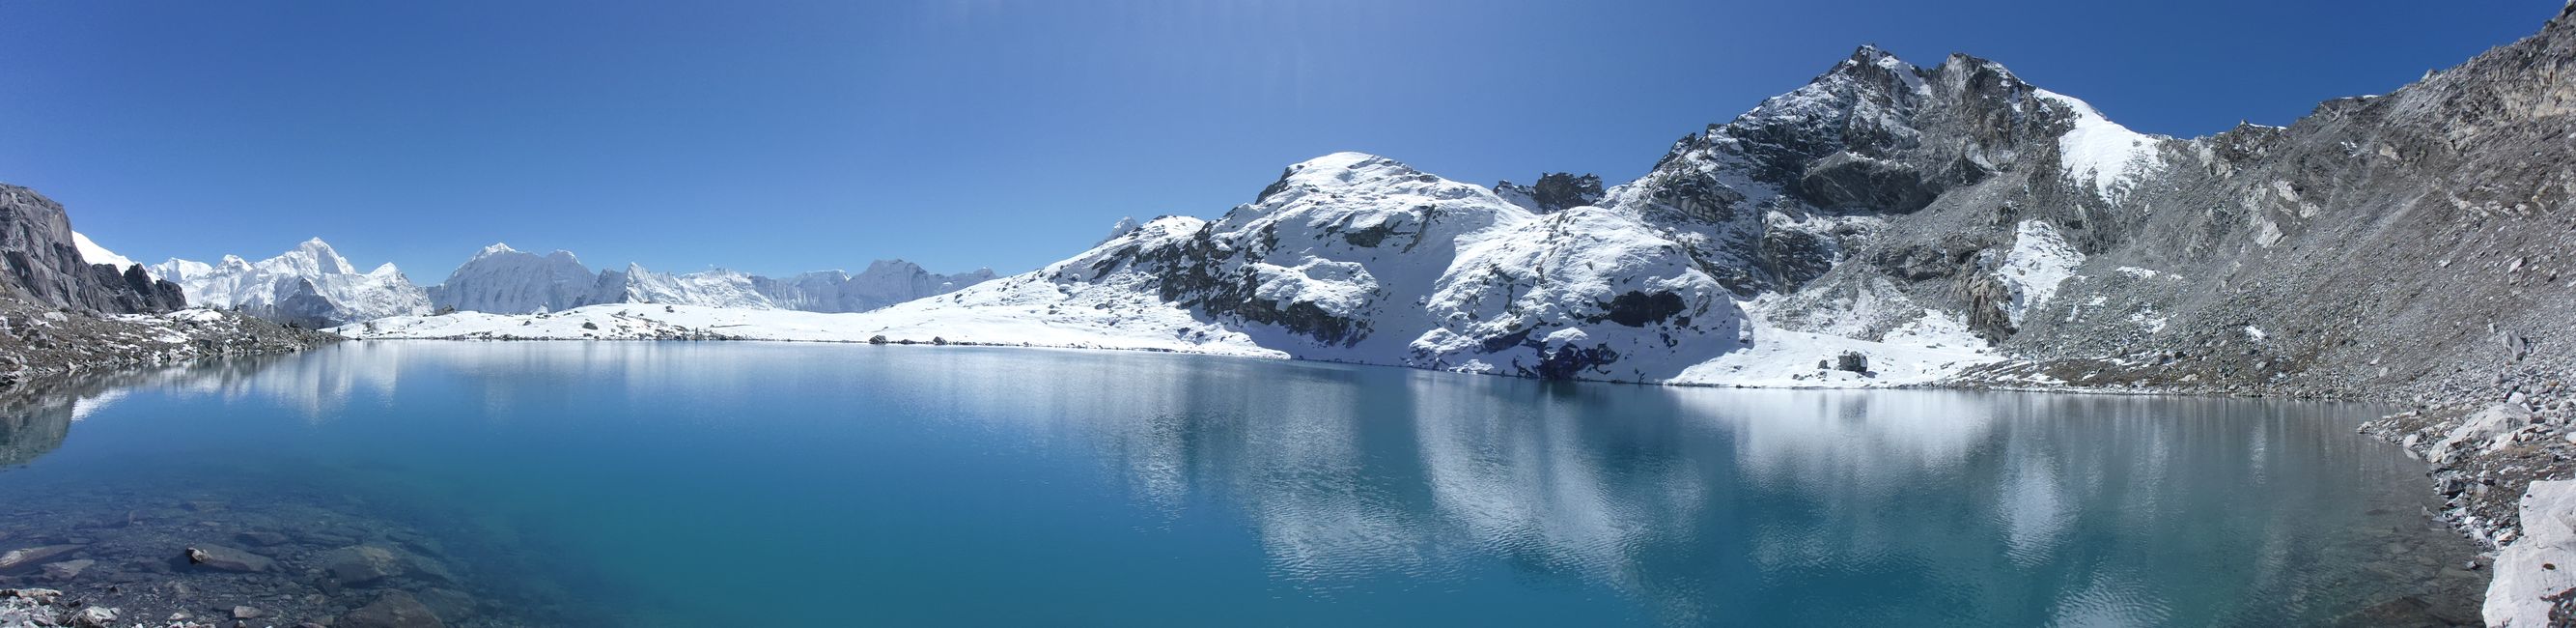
<point>317,257</point>
<point>1554,192</point>
<point>44,264</point>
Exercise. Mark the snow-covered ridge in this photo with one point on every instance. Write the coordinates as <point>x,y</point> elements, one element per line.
<point>502,280</point>
<point>1675,277</point>
<point>1726,264</point>
<point>311,284</point>
<point>1348,257</point>
<point>314,284</point>
<point>93,253</point>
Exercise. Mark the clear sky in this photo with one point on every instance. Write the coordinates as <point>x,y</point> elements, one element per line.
<point>774,136</point>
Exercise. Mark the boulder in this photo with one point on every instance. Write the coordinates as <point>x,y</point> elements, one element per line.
<point>2539,565</point>
<point>1852,361</point>
<point>2490,428</point>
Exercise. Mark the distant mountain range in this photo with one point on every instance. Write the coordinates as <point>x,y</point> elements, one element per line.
<point>314,285</point>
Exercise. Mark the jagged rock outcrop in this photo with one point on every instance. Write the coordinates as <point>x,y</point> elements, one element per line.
<point>43,263</point>
<point>1554,192</point>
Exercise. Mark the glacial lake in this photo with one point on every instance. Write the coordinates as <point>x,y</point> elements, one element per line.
<point>739,484</point>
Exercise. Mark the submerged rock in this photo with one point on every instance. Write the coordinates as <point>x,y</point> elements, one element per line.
<point>362,564</point>
<point>395,610</point>
<point>68,569</point>
<point>262,538</point>
<point>222,558</point>
<point>31,556</point>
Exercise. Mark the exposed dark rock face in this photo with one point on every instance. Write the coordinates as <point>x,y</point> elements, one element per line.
<point>1852,361</point>
<point>1558,191</point>
<point>42,266</point>
<point>1636,309</point>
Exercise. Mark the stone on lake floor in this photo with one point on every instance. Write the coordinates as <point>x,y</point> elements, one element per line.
<point>395,610</point>
<point>262,538</point>
<point>222,558</point>
<point>448,603</point>
<point>362,564</point>
<point>68,569</point>
<point>246,612</point>
<point>25,557</point>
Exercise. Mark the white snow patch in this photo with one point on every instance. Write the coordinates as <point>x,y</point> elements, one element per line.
<point>2109,156</point>
<point>91,252</point>
<point>2040,260</point>
<point>1927,350</point>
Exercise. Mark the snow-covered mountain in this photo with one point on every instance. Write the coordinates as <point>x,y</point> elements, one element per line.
<point>1885,223</point>
<point>311,284</point>
<point>884,283</point>
<point>501,280</point>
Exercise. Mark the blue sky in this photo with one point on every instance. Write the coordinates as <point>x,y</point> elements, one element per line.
<point>776,136</point>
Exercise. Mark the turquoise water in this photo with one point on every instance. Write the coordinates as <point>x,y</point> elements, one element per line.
<point>690,484</point>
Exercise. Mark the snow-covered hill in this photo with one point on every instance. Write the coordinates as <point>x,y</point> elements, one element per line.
<point>311,284</point>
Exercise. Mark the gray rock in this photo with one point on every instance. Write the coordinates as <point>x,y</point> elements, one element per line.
<point>42,265</point>
<point>222,558</point>
<point>94,617</point>
<point>395,609</point>
<point>1852,361</point>
<point>31,556</point>
<point>448,603</point>
<point>262,538</point>
<point>68,569</point>
<point>362,564</point>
